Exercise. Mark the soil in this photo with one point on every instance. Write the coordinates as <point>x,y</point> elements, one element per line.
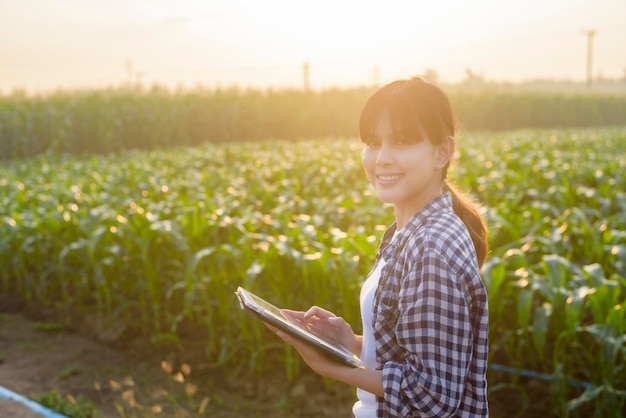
<point>41,351</point>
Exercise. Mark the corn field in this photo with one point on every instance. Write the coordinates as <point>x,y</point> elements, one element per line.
<point>159,240</point>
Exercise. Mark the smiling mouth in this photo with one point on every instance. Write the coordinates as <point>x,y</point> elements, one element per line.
<point>388,177</point>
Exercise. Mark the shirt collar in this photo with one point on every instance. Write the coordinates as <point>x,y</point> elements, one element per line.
<point>393,240</point>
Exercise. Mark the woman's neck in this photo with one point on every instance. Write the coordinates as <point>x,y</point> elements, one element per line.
<point>404,211</point>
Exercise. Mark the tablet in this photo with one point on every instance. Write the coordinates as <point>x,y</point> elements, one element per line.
<point>269,313</point>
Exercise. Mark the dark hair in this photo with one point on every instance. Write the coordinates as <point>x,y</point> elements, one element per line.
<point>422,111</point>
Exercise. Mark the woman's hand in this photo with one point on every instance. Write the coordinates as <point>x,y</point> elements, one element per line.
<point>318,362</point>
<point>326,325</point>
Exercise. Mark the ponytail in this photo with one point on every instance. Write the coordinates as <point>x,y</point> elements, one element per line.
<point>467,210</point>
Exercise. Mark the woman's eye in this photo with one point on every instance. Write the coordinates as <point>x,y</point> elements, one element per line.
<point>406,141</point>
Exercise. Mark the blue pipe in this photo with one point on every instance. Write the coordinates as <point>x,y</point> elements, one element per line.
<point>34,406</point>
<point>536,375</point>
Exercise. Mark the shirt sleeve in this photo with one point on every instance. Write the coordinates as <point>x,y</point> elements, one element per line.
<point>434,332</point>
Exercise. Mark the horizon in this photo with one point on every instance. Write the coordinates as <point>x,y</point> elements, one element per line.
<point>45,47</point>
<point>603,85</point>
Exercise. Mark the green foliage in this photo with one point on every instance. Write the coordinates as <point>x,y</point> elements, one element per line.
<point>159,241</point>
<point>556,276</point>
<point>69,406</point>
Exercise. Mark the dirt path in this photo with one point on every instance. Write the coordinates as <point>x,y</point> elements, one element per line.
<point>38,354</point>
<point>36,360</point>
<point>12,409</point>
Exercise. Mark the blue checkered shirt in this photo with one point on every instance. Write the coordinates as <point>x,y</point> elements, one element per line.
<point>430,319</point>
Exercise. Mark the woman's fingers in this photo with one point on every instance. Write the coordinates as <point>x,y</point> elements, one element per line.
<point>272,328</point>
<point>337,321</point>
<point>322,323</point>
<point>293,316</point>
<point>296,317</point>
<point>292,313</point>
<point>316,311</point>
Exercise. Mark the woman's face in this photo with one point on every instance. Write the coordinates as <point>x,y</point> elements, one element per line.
<point>405,173</point>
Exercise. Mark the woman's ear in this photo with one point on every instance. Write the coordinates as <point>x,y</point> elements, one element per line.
<point>444,152</point>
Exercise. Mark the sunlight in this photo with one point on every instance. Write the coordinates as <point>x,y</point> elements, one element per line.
<point>346,40</point>
<point>267,43</point>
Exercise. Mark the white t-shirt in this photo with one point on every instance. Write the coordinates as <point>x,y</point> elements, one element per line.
<point>365,407</point>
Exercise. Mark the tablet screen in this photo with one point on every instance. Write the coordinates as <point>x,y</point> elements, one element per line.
<point>264,309</point>
<point>275,311</point>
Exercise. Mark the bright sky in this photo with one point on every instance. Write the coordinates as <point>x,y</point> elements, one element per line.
<point>48,44</point>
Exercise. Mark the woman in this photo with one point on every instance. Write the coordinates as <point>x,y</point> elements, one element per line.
<point>424,306</point>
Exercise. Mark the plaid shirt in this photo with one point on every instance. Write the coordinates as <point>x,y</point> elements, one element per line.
<point>430,319</point>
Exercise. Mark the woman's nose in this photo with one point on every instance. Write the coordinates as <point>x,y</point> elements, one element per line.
<point>385,156</point>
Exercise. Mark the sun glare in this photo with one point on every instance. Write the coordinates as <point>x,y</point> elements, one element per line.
<point>266,43</point>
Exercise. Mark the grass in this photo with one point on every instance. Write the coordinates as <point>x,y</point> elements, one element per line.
<point>67,405</point>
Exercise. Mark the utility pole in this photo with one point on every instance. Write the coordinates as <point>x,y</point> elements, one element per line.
<point>306,82</point>
<point>129,73</point>
<point>590,33</point>
<point>376,76</point>
<point>133,78</point>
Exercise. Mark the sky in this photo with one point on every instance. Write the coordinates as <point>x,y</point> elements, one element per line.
<point>74,44</point>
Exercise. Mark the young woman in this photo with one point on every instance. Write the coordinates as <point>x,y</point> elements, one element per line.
<point>424,305</point>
